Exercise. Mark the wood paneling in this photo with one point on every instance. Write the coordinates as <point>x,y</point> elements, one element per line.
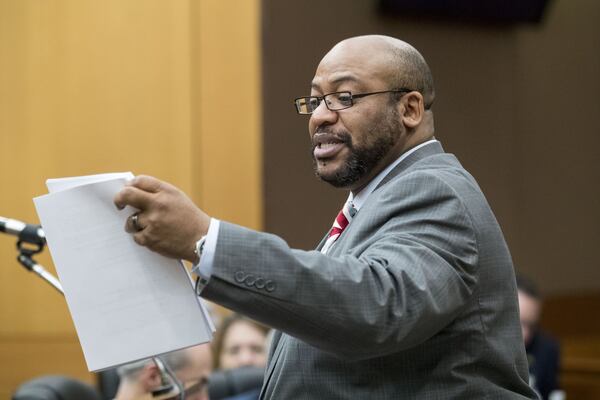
<point>227,103</point>
<point>28,356</point>
<point>580,367</point>
<point>572,315</point>
<point>572,319</point>
<point>166,88</point>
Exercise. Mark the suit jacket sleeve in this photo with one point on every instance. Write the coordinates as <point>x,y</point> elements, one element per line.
<point>402,271</point>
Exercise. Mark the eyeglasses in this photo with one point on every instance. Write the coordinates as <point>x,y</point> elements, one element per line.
<point>335,101</point>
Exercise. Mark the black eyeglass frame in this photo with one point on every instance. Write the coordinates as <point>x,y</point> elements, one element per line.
<point>352,97</point>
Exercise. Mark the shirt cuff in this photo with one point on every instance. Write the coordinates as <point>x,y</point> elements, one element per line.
<point>204,267</point>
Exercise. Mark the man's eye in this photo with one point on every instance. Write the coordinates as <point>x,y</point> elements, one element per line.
<point>344,97</point>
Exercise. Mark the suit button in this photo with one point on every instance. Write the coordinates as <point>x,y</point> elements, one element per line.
<point>259,283</point>
<point>250,279</point>
<point>270,286</point>
<point>239,276</point>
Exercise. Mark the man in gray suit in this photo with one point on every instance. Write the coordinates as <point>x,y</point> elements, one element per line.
<point>412,294</point>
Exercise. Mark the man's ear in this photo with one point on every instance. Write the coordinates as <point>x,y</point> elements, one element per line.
<point>150,377</point>
<point>412,109</point>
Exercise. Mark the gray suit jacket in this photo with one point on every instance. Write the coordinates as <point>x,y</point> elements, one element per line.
<point>416,300</point>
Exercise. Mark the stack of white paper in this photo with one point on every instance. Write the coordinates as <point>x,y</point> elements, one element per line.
<point>127,302</point>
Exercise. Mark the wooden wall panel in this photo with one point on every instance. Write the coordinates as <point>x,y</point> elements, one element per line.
<point>89,87</point>
<point>227,102</point>
<point>571,319</point>
<point>26,356</point>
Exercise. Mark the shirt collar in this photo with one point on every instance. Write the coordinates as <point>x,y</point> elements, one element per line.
<point>361,197</point>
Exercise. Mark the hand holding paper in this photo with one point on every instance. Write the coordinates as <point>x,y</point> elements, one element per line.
<point>127,302</point>
<point>168,222</point>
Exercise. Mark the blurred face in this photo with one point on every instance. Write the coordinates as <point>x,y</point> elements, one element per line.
<point>529,310</point>
<point>195,374</point>
<point>243,345</point>
<point>350,146</point>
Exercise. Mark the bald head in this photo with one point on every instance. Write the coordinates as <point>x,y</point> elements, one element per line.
<point>395,62</point>
<point>192,363</point>
<point>354,141</point>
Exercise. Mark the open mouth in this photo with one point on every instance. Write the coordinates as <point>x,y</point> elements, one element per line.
<point>327,150</point>
<point>327,145</point>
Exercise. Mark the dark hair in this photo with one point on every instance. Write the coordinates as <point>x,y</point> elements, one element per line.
<point>528,286</point>
<point>413,72</point>
<point>227,323</point>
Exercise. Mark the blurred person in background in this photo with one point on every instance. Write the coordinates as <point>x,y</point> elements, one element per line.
<point>191,366</point>
<point>240,348</point>
<point>542,350</point>
<point>240,342</point>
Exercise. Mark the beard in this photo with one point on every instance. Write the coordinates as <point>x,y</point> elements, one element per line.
<point>378,141</point>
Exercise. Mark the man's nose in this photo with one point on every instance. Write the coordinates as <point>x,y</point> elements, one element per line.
<point>323,115</point>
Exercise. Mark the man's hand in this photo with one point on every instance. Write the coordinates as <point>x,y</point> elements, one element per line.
<point>168,221</point>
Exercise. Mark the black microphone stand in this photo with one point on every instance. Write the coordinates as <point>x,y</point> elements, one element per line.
<point>25,257</point>
<point>26,252</point>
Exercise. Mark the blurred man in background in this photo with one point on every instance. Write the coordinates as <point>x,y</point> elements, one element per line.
<point>542,350</point>
<point>192,366</point>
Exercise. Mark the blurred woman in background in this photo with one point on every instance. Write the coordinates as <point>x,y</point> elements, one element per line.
<point>240,342</point>
<point>240,349</point>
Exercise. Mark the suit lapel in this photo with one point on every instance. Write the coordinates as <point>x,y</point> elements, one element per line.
<point>419,154</point>
<point>423,152</point>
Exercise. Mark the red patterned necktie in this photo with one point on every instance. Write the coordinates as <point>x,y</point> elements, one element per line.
<point>341,222</point>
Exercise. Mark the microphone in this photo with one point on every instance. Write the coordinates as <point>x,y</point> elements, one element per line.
<point>232,382</point>
<point>25,232</point>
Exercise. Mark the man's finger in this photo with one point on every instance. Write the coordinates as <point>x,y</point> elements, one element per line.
<point>140,239</point>
<point>135,223</point>
<point>147,183</point>
<point>132,196</point>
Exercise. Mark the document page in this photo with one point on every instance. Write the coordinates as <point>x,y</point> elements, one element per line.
<point>127,302</point>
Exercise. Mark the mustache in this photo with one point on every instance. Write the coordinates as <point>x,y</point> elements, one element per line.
<point>325,133</point>
<point>328,130</point>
